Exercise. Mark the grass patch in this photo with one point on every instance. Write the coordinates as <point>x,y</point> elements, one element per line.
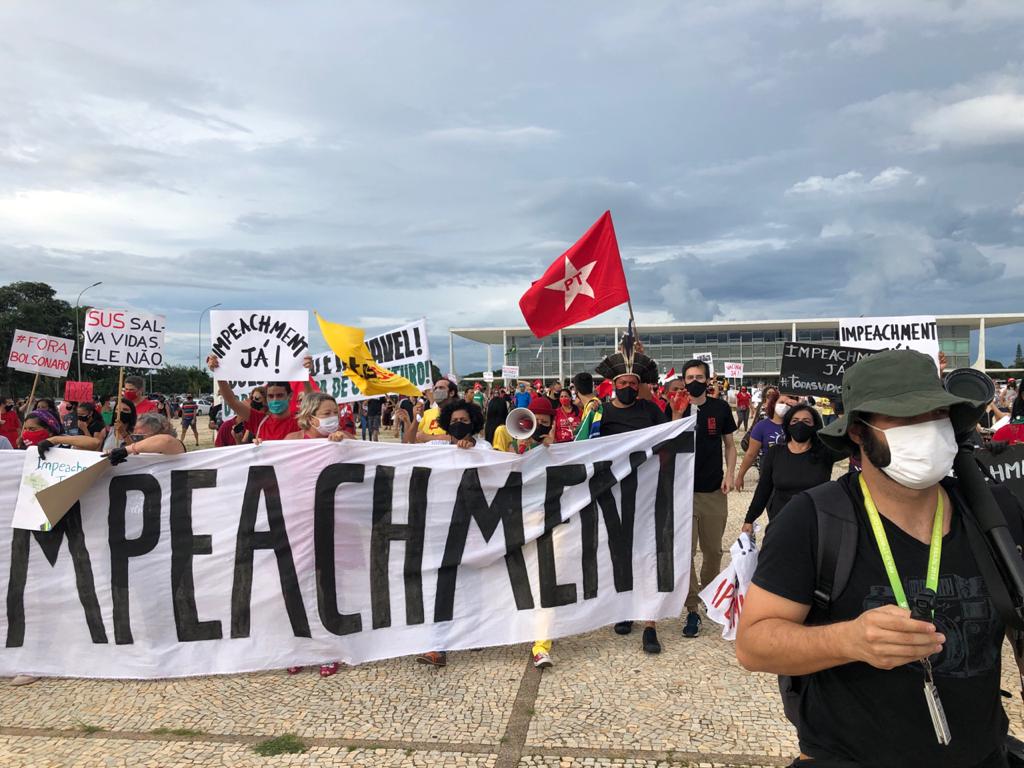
<point>289,743</point>
<point>86,728</point>
<point>176,732</point>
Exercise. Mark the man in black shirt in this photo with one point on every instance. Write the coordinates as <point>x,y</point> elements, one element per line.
<point>627,413</point>
<point>857,680</point>
<point>715,426</point>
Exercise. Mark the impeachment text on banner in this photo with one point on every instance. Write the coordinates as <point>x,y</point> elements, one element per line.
<point>263,557</point>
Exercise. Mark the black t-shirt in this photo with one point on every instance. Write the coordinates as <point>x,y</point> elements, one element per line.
<point>875,717</point>
<point>784,474</point>
<point>714,419</point>
<point>406,405</point>
<point>642,414</point>
<point>373,408</point>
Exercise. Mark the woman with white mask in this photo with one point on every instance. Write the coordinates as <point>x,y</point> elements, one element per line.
<point>318,418</point>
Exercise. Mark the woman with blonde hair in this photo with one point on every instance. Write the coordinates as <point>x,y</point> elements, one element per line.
<point>318,419</point>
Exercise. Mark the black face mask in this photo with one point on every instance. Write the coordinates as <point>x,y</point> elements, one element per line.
<point>625,395</point>
<point>541,431</point>
<point>801,432</point>
<point>460,430</point>
<point>697,388</point>
<point>257,405</point>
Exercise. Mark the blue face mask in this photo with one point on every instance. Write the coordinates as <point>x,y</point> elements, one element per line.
<point>277,407</point>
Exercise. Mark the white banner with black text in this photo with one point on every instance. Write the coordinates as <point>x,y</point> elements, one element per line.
<point>261,557</point>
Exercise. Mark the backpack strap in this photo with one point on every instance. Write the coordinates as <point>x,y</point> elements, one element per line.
<point>837,544</point>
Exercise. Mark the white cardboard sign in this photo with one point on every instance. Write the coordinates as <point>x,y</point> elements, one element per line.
<point>918,332</point>
<point>264,344</point>
<point>39,353</point>
<point>120,337</point>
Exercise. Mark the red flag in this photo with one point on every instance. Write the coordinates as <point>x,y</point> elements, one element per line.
<point>583,282</point>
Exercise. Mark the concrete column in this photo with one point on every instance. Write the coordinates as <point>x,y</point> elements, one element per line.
<point>792,336</point>
<point>451,352</point>
<point>490,360</point>
<point>561,366</point>
<point>980,362</point>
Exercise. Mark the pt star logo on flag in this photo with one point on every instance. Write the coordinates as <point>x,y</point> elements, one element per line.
<point>575,282</point>
<point>583,282</point>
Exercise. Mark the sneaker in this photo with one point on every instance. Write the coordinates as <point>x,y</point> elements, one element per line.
<point>326,670</point>
<point>692,627</point>
<point>433,658</point>
<point>295,670</point>
<point>623,627</point>
<point>650,642</point>
<point>542,660</point>
<point>24,680</point>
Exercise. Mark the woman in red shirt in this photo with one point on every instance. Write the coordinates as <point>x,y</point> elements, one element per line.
<point>567,418</point>
<point>1014,431</point>
<point>318,420</point>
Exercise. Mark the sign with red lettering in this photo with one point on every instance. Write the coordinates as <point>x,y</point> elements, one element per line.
<point>121,337</point>
<point>39,353</point>
<point>78,391</point>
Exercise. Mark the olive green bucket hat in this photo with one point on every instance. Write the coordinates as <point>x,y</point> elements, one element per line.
<point>897,382</point>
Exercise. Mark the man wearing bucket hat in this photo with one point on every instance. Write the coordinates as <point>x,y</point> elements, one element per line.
<point>864,682</point>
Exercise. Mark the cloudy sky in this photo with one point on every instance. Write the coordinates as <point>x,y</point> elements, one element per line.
<point>384,161</point>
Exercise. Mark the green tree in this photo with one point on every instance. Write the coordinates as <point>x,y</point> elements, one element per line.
<point>993,364</point>
<point>30,306</point>
<point>1018,359</point>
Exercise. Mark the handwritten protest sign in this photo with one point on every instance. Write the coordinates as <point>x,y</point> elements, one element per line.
<point>816,369</point>
<point>404,351</point>
<point>39,353</point>
<point>706,357</point>
<point>510,371</point>
<point>78,391</point>
<point>909,332</point>
<point>260,344</point>
<point>120,337</point>
<point>488,376</point>
<point>352,551</point>
<point>38,474</point>
<point>734,370</point>
<point>402,346</point>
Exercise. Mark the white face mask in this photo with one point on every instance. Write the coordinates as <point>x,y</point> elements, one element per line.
<point>328,425</point>
<point>921,454</point>
<point>781,409</point>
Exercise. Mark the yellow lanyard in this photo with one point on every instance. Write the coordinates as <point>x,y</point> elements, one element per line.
<point>934,550</point>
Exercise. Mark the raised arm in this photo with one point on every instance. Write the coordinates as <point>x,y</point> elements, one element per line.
<point>236,405</point>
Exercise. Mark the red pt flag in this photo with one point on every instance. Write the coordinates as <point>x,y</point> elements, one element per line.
<point>583,282</point>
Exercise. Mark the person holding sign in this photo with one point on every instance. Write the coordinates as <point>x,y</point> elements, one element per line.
<point>40,425</point>
<point>277,424</point>
<point>318,419</point>
<point>628,371</point>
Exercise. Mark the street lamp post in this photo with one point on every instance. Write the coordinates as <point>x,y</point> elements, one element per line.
<point>78,340</point>
<point>212,306</point>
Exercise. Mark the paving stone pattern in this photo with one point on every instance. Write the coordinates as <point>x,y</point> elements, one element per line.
<point>604,703</point>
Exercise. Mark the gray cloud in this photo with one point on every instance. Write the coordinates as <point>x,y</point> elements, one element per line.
<point>790,158</point>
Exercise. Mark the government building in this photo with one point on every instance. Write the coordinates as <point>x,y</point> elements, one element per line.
<point>757,344</point>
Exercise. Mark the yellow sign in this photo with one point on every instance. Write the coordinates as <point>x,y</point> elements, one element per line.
<point>350,346</point>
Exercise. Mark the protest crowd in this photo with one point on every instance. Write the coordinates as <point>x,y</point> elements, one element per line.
<point>872,549</point>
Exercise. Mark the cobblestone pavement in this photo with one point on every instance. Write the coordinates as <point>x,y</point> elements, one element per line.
<point>604,703</point>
